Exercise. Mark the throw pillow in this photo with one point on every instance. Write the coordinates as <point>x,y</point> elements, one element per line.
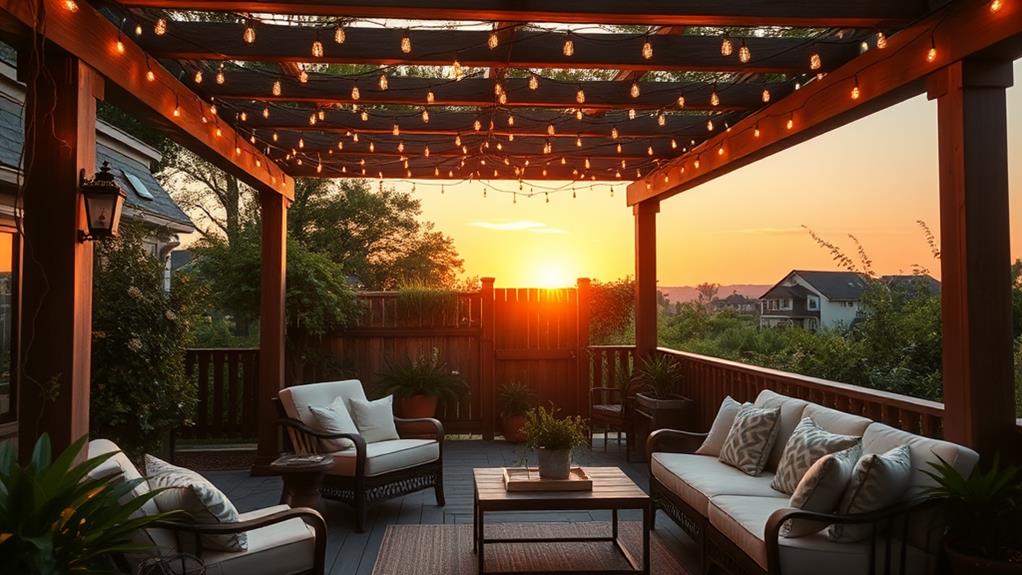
<point>375,419</point>
<point>820,490</point>
<point>748,443</point>
<point>187,491</point>
<point>720,428</point>
<point>334,418</point>
<point>878,481</point>
<point>807,443</point>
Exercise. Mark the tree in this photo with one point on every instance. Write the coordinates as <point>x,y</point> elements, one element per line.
<point>218,201</point>
<point>611,306</point>
<point>707,292</point>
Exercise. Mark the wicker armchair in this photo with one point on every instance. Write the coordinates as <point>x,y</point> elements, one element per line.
<point>368,472</point>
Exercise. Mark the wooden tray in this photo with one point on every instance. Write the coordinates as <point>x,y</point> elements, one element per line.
<point>528,479</point>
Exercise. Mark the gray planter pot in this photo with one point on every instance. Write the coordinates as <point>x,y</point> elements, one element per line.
<point>554,463</point>
<point>654,404</point>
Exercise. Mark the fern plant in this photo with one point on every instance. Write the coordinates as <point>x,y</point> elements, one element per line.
<point>543,429</point>
<point>422,376</point>
<point>659,374</point>
<point>56,520</point>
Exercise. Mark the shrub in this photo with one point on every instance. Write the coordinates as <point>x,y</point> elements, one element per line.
<point>421,376</point>
<point>543,429</point>
<point>515,398</point>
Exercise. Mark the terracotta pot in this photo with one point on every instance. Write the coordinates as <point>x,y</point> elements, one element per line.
<point>513,428</point>
<point>415,406</point>
<point>554,463</point>
<point>962,563</point>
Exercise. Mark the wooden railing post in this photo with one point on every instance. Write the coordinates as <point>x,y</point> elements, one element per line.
<point>273,272</point>
<point>584,286</point>
<point>645,277</point>
<point>487,360</point>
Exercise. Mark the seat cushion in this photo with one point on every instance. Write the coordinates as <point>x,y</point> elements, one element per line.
<point>791,414</point>
<point>610,409</point>
<point>742,519</point>
<point>386,456</point>
<point>283,548</point>
<point>697,478</point>
<point>296,399</point>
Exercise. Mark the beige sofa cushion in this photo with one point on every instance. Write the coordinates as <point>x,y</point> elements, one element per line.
<point>283,548</point>
<point>386,456</point>
<point>880,438</point>
<point>791,414</point>
<point>821,490</point>
<point>836,421</point>
<point>696,478</point>
<point>751,438</point>
<point>334,418</point>
<point>743,519</point>
<point>720,427</point>
<point>296,399</point>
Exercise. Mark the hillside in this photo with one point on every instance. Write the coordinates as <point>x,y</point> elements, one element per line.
<point>689,293</point>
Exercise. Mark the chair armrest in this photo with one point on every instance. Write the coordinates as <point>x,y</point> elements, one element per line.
<point>420,426</point>
<point>779,517</point>
<point>311,517</point>
<point>673,441</point>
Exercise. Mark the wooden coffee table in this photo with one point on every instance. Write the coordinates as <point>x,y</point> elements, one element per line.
<point>612,490</point>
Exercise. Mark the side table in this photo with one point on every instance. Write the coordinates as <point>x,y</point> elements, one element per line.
<point>302,476</point>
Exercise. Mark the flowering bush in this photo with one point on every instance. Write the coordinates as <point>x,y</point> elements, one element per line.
<point>140,333</point>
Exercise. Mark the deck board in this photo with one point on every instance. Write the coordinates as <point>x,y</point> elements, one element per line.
<point>355,553</point>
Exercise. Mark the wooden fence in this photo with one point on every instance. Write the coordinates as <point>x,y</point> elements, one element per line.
<point>225,381</point>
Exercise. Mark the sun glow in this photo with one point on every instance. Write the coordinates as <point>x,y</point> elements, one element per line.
<point>550,274</point>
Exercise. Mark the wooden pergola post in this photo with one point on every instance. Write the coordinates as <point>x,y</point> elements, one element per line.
<point>273,210</point>
<point>56,331</point>
<point>975,252</point>
<point>645,277</point>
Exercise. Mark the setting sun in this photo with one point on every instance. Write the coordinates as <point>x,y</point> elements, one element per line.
<point>551,274</point>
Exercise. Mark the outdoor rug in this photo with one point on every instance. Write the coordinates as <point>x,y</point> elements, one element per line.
<point>447,549</point>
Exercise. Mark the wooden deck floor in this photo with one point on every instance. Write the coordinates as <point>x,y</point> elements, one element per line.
<point>350,553</point>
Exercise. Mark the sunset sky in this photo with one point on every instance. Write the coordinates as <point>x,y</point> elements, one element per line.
<point>873,178</point>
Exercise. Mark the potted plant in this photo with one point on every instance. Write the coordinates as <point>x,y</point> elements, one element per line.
<point>56,520</point>
<point>983,513</point>
<point>515,399</point>
<point>418,383</point>
<point>658,376</point>
<point>554,438</point>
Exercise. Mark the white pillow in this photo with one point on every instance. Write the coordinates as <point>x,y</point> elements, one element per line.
<point>720,428</point>
<point>820,490</point>
<point>807,443</point>
<point>375,419</point>
<point>192,493</point>
<point>878,481</point>
<point>334,418</point>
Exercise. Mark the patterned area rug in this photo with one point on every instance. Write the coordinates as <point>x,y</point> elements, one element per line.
<point>447,549</point>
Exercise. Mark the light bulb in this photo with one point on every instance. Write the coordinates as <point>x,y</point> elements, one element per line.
<point>493,40</point>
<point>198,77</point>
<point>533,81</point>
<point>160,28</point>
<point>219,132</point>
<point>996,5</point>
<point>681,101</point>
<point>456,70</point>
<point>212,109</point>
<point>383,83</point>
<point>709,125</point>
<point>177,111</point>
<point>498,89</point>
<point>634,90</point>
<point>502,98</point>
<point>510,122</point>
<point>275,136</point>
<point>765,95</point>
<point>714,98</point>
<point>249,35</point>
<point>406,43</point>
<point>220,77</point>
<point>364,115</point>
<point>301,143</point>
<point>457,140</point>
<point>425,152</point>
<point>587,164</point>
<point>425,116</point>
<point>339,36</point>
<point>791,123</point>
<point>276,88</point>
<point>71,6</point>
<point>569,48</point>
<point>744,55</point>
<point>430,98</point>
<point>150,76</point>
<point>618,148</point>
<point>303,76</point>
<point>855,89</point>
<point>578,114</point>
<point>477,125</point>
<point>578,141</point>
<point>372,147</point>
<point>661,119</point>
<point>720,151</point>
<point>631,113</point>
<point>354,93</point>
<point>931,54</point>
<point>674,144</point>
<point>138,29</point>
<point>580,96</point>
<point>881,40</point>
<point>396,130</point>
<point>755,131</point>
<point>649,150</point>
<point>647,50</point>
<point>726,46</point>
<point>550,129</point>
<point>317,49</point>
<point>120,47</point>
<point>614,133</point>
<point>815,62</point>
<point>400,146</point>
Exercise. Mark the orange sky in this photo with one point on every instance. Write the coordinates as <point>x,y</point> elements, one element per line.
<point>873,178</point>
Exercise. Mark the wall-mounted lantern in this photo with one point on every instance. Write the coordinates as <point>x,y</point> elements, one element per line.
<point>104,200</point>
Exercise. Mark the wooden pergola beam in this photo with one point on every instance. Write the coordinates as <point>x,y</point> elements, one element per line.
<point>479,92</point>
<point>884,76</point>
<point>847,13</point>
<point>452,168</point>
<point>89,36</point>
<point>212,41</point>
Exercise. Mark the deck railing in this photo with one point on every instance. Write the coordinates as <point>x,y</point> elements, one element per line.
<point>226,382</point>
<point>709,380</point>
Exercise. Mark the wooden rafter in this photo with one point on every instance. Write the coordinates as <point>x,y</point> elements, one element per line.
<point>528,48</point>
<point>86,34</point>
<point>857,13</point>
<point>884,77</point>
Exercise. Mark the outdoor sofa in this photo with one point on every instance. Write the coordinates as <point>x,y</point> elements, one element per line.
<point>736,518</point>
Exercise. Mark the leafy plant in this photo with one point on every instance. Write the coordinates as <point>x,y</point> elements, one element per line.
<point>56,520</point>
<point>983,510</point>
<point>421,376</point>
<point>659,374</point>
<point>515,398</point>
<point>543,429</point>
<point>421,304</point>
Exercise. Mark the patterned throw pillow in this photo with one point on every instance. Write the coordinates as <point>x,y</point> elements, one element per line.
<point>807,443</point>
<point>720,428</point>
<point>334,418</point>
<point>752,435</point>
<point>820,489</point>
<point>878,481</point>
<point>187,491</point>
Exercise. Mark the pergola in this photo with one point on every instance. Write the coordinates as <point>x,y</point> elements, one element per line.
<point>680,93</point>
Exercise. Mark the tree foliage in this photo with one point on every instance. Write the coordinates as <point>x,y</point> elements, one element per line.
<point>610,309</point>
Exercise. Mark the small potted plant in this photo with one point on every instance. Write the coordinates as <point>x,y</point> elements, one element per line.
<point>515,399</point>
<point>418,384</point>
<point>657,400</point>
<point>983,513</point>
<point>554,438</point>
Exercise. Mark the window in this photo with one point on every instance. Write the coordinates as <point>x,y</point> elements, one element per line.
<point>137,185</point>
<point>8,306</point>
<point>812,303</point>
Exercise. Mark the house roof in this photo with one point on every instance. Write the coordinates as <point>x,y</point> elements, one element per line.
<point>734,299</point>
<point>161,207</point>
<point>783,291</point>
<point>835,286</point>
<point>926,281</point>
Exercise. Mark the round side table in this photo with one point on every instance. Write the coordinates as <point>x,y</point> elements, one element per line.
<point>302,475</point>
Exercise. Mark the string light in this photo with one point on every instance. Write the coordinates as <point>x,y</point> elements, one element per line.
<point>396,130</point>
<point>681,101</point>
<point>661,119</point>
<point>578,141</point>
<point>364,115</point>
<point>855,88</point>
<point>709,125</point>
<point>618,147</point>
<point>649,150</point>
<point>634,90</point>
<point>317,49</point>
<point>198,77</point>
<point>160,28</point>
<point>477,125</point>
<point>815,62</point>
<point>931,54</point>
<point>580,96</point>
<point>406,43</point>
<point>457,140</point>
<point>493,40</point>
<point>177,108</point>
<point>425,152</point>
<point>354,92</point>
<point>430,97</point>
<point>220,77</point>
<point>510,122</point>
<point>303,76</point>
<point>766,95</point>
<point>533,81</point>
<point>614,133</point>
<point>578,114</point>
<point>647,50</point>
<point>243,116</point>
<point>755,131</point>
<point>674,144</point>
<point>400,146</point>
<point>881,40</point>
<point>372,147</point>
<point>631,113</point>
<point>119,45</point>
<point>383,83</point>
<point>726,46</point>
<point>569,47</point>
<point>339,35</point>
<point>149,75</point>
<point>714,98</point>
<point>249,35</point>
<point>276,88</point>
<point>425,116</point>
<point>71,6</point>
<point>275,136</point>
<point>744,54</point>
<point>720,150</point>
<point>550,129</point>
<point>791,121</point>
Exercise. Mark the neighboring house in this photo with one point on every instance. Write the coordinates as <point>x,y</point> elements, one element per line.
<point>827,299</point>
<point>813,299</point>
<point>130,161</point>
<point>737,303</point>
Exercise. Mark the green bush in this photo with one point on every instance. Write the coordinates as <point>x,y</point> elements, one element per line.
<point>543,429</point>
<point>408,376</point>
